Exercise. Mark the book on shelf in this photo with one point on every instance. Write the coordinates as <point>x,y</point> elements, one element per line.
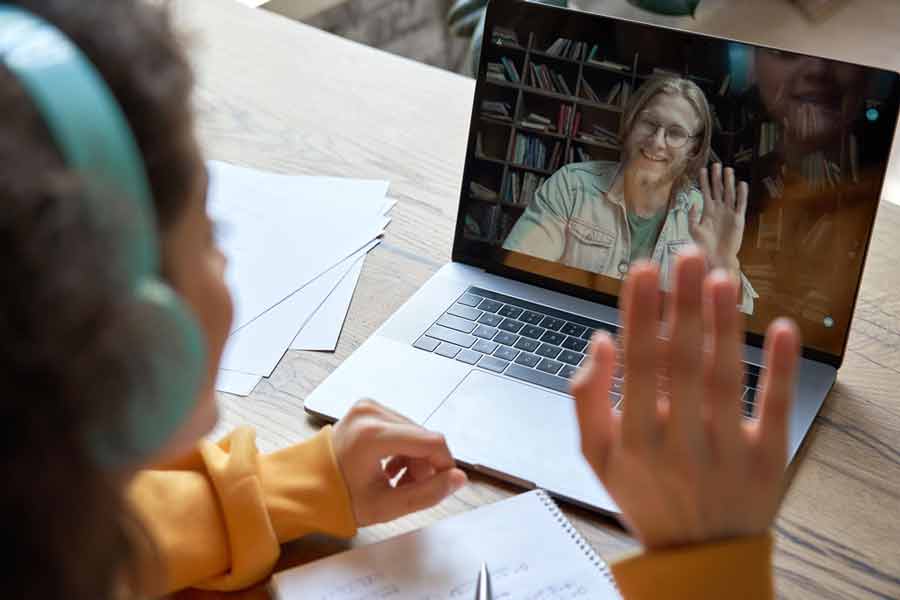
<point>566,48</point>
<point>503,36</point>
<point>506,222</point>
<point>588,93</point>
<point>559,47</point>
<point>592,55</point>
<point>519,188</point>
<point>479,148</point>
<point>496,110</point>
<point>530,151</point>
<point>482,192</point>
<point>619,94</point>
<point>548,80</point>
<point>769,137</point>
<point>625,94</point>
<point>609,64</point>
<point>665,72</point>
<point>561,83</point>
<point>481,220</point>
<point>582,155</point>
<point>565,119</point>
<point>611,135</point>
<point>579,51</point>
<point>538,123</point>
<point>511,72</point>
<point>530,184</point>
<point>556,156</point>
<point>599,135</point>
<point>510,188</point>
<point>496,72</point>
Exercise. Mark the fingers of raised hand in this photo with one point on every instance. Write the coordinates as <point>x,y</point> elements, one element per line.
<point>718,185</point>
<point>743,192</point>
<point>729,196</point>
<point>641,311</point>
<point>724,386</point>
<point>705,186</point>
<point>685,316</point>
<point>591,390</point>
<point>782,349</point>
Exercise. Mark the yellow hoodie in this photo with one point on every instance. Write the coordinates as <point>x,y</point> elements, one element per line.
<point>219,516</point>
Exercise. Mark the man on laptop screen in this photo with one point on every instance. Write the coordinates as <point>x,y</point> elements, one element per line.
<point>601,216</point>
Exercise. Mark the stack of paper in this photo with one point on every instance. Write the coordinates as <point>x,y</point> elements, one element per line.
<point>295,247</point>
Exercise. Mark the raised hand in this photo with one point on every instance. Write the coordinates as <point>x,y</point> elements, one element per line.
<point>373,445</point>
<point>680,461</point>
<point>719,231</point>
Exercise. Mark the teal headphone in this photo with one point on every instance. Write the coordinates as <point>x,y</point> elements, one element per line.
<point>93,136</point>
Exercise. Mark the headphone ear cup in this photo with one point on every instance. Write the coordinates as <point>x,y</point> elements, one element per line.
<point>172,375</point>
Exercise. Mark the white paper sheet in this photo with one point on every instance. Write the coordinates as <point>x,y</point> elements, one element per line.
<point>235,382</point>
<point>280,232</point>
<point>322,331</point>
<point>257,347</point>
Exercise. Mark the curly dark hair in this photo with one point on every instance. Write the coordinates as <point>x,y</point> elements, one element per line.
<point>72,339</point>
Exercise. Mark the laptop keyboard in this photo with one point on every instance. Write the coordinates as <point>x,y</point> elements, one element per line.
<point>529,342</point>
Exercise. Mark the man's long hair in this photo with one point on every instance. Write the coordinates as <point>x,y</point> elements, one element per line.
<point>688,90</point>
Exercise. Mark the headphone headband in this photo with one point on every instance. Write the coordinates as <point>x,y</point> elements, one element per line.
<point>85,121</point>
<point>91,132</point>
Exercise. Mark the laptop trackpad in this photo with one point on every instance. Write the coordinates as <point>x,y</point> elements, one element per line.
<point>524,432</point>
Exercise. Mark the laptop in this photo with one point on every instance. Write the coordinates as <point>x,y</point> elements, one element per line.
<point>567,106</point>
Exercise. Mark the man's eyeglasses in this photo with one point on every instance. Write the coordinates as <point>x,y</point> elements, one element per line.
<point>676,136</point>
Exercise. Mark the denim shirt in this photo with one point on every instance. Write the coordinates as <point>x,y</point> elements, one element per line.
<point>572,220</point>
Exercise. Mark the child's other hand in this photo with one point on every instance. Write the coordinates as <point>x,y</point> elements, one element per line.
<point>680,461</point>
<point>371,435</point>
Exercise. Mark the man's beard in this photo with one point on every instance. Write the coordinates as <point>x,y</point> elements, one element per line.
<point>647,179</point>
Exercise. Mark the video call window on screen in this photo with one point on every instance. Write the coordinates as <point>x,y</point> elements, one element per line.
<point>590,137</point>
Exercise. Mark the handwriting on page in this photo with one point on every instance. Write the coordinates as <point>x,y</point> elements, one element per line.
<point>507,582</point>
<point>543,561</point>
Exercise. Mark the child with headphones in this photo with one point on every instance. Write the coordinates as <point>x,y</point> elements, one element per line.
<point>114,313</point>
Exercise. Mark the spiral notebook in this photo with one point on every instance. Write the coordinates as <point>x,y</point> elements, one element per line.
<point>532,551</point>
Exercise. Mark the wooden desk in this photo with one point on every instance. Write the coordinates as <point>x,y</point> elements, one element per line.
<point>277,95</point>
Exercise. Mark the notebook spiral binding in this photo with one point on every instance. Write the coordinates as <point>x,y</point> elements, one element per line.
<point>582,543</point>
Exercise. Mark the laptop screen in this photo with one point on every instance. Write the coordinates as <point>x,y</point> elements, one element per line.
<point>597,142</point>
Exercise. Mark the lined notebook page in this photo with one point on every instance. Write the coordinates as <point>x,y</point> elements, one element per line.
<point>531,549</point>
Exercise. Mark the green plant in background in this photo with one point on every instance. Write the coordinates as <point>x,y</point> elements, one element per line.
<point>466,19</point>
<point>668,7</point>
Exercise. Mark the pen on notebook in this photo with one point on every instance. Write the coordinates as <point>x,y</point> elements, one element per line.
<point>483,586</point>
